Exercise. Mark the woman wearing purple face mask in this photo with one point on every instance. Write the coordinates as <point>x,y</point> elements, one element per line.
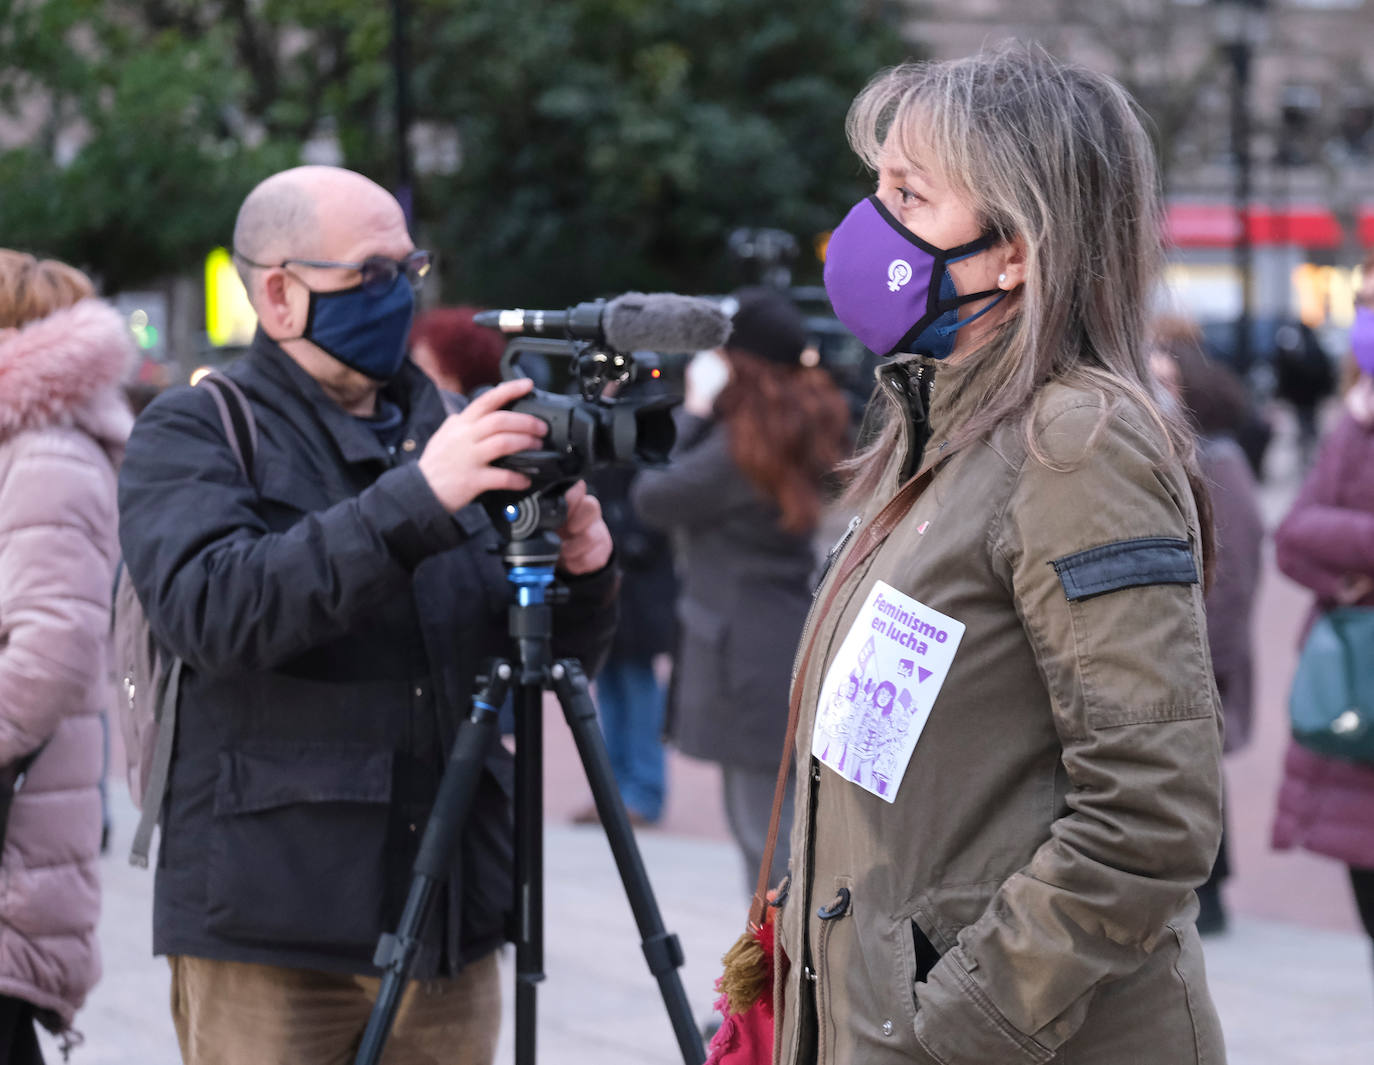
<point>1028,561</point>
<point>1326,805</point>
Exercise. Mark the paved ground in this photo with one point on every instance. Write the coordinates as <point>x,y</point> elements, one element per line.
<point>1288,995</point>
<point>1293,979</point>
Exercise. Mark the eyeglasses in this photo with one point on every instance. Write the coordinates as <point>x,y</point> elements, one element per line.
<point>378,273</point>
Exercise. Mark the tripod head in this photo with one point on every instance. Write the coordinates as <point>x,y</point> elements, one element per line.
<point>528,524</point>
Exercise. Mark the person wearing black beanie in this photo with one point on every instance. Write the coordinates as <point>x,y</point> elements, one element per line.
<point>768,325</point>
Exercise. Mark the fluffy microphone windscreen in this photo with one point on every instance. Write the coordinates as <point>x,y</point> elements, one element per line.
<point>664,322</point>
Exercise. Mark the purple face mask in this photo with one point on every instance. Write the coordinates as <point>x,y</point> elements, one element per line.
<point>894,291</point>
<point>1362,339</point>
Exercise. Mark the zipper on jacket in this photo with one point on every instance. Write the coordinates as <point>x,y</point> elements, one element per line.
<point>808,962</point>
<point>897,392</point>
<point>829,916</point>
<point>900,390</point>
<point>834,553</point>
<point>831,557</point>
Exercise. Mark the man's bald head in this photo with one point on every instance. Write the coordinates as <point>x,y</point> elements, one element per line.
<point>301,214</point>
<point>305,234</point>
<point>278,220</point>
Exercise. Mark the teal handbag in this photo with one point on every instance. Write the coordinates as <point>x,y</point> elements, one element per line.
<point>1331,705</point>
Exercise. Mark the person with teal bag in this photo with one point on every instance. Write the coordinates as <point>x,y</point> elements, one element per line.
<point>1326,542</point>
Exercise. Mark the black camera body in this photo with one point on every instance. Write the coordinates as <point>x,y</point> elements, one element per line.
<point>621,413</point>
<point>617,418</point>
<point>591,430</point>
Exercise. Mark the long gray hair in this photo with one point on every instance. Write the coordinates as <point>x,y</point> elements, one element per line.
<point>1056,155</point>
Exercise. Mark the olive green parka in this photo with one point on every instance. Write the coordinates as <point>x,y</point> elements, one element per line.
<point>1027,896</point>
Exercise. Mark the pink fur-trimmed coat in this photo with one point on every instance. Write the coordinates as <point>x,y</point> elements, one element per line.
<point>63,424</point>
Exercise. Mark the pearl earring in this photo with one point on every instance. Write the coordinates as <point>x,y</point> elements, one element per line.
<point>1001,279</point>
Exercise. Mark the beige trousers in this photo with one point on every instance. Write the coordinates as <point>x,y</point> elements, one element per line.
<point>235,1013</point>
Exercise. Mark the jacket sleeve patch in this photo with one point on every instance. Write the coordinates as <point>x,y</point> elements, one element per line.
<point>1126,564</point>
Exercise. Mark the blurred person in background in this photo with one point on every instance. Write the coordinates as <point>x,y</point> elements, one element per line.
<point>458,356</point>
<point>63,424</point>
<point>758,438</point>
<point>1326,543</point>
<point>1303,377</point>
<point>1215,402</point>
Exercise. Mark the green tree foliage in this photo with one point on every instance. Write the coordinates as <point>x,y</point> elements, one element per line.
<point>150,121</point>
<point>605,144</point>
<point>612,144</point>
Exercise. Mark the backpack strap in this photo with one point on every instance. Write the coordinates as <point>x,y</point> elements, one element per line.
<point>241,431</point>
<point>156,789</point>
<point>236,415</point>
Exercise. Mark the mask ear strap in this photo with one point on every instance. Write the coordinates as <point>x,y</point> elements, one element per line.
<point>974,247</point>
<point>947,330</point>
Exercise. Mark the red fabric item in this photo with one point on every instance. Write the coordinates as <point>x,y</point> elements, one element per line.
<point>744,1038</point>
<point>747,1038</point>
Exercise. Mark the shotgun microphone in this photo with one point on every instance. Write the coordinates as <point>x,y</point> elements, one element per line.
<point>636,321</point>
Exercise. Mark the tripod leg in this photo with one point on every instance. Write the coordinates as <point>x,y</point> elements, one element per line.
<point>661,948</point>
<point>529,866</point>
<point>396,953</point>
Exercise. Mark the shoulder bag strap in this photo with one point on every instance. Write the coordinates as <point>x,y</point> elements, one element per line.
<point>869,538</point>
<point>241,431</point>
<point>156,787</point>
<point>236,415</point>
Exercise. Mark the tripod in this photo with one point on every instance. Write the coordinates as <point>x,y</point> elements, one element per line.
<point>529,557</point>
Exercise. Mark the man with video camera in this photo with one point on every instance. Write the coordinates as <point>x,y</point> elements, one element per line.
<point>333,603</point>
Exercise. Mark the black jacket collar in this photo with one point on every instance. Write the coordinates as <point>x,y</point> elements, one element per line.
<point>410,390</point>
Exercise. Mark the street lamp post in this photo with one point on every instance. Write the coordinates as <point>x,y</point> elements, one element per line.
<point>1239,29</point>
<point>400,60</point>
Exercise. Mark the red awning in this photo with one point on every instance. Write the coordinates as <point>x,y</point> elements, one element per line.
<point>1214,225</point>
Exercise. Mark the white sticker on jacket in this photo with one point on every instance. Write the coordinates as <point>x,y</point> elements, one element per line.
<point>880,689</point>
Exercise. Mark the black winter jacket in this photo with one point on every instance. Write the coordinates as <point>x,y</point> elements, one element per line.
<point>648,581</point>
<point>333,618</point>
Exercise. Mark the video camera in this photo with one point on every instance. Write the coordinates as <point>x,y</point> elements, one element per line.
<point>612,350</point>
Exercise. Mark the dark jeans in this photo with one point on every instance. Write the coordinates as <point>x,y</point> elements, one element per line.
<point>630,701</point>
<point>18,1040</point>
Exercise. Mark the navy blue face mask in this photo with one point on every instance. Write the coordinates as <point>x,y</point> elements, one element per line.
<point>366,333</point>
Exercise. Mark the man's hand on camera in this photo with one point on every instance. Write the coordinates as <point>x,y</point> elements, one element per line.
<point>457,461</point>
<point>586,540</point>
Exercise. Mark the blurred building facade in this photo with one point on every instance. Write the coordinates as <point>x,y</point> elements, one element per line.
<point>1309,105</point>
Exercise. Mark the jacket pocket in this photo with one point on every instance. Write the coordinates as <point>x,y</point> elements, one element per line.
<point>919,956</point>
<point>924,954</point>
<point>297,843</point>
<point>1141,656</point>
